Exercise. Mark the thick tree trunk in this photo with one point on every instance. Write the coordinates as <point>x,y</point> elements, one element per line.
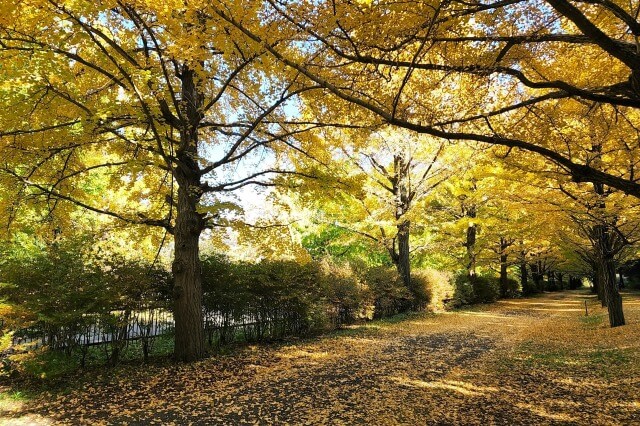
<point>614,300</point>
<point>597,287</point>
<point>403,264</point>
<point>536,275</point>
<point>401,189</point>
<point>470,243</point>
<point>504,245</point>
<point>605,252</point>
<point>524,279</point>
<point>560,280</point>
<point>606,275</point>
<point>189,326</point>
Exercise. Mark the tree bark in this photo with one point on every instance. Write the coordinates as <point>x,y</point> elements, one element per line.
<point>560,281</point>
<point>504,257</point>
<point>524,279</point>
<point>470,243</point>
<point>189,326</point>
<point>606,273</point>
<point>404,265</point>
<point>401,190</point>
<point>614,300</point>
<point>536,275</point>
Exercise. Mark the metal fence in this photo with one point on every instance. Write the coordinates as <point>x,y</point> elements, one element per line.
<point>97,329</point>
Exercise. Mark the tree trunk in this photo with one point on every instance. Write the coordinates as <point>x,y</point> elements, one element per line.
<point>189,326</point>
<point>605,252</point>
<point>504,245</point>
<point>560,283</point>
<point>400,184</point>
<point>470,243</point>
<point>597,286</point>
<point>404,266</point>
<point>524,279</point>
<point>614,300</point>
<point>606,273</point>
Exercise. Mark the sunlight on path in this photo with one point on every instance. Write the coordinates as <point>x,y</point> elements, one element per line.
<point>526,361</point>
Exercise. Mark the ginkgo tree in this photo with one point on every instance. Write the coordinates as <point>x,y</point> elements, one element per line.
<point>165,100</point>
<point>379,181</point>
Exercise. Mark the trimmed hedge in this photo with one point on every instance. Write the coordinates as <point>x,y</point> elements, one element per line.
<point>276,299</point>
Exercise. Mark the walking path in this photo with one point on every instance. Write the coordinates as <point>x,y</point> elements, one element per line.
<point>524,361</point>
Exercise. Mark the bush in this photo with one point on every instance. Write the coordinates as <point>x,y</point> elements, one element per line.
<point>421,289</point>
<point>58,286</point>
<point>284,295</point>
<point>67,290</point>
<point>432,289</point>
<point>388,291</point>
<point>485,289</point>
<point>477,289</point>
<point>509,289</point>
<point>267,300</point>
<point>275,299</point>
<point>348,297</point>
<point>463,291</point>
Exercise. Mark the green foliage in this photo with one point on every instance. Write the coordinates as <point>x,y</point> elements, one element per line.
<point>510,288</point>
<point>339,244</point>
<point>56,285</point>
<point>389,293</point>
<point>50,366</point>
<point>463,291</point>
<point>276,299</point>
<point>62,290</point>
<point>267,300</point>
<point>486,289</point>
<point>476,289</point>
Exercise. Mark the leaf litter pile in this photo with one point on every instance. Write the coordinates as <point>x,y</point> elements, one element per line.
<point>523,361</point>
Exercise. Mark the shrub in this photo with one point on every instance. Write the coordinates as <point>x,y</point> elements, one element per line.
<point>432,289</point>
<point>267,300</point>
<point>485,289</point>
<point>283,297</point>
<point>348,296</point>
<point>510,288</point>
<point>477,289</point>
<point>463,291</point>
<point>71,293</point>
<point>421,289</point>
<point>388,291</point>
<point>226,296</point>
<point>59,286</point>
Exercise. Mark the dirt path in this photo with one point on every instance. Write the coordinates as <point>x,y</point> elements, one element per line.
<point>527,361</point>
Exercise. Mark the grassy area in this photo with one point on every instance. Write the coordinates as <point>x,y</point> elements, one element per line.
<point>604,363</point>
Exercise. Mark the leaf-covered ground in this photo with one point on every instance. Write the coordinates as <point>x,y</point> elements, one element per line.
<point>526,361</point>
